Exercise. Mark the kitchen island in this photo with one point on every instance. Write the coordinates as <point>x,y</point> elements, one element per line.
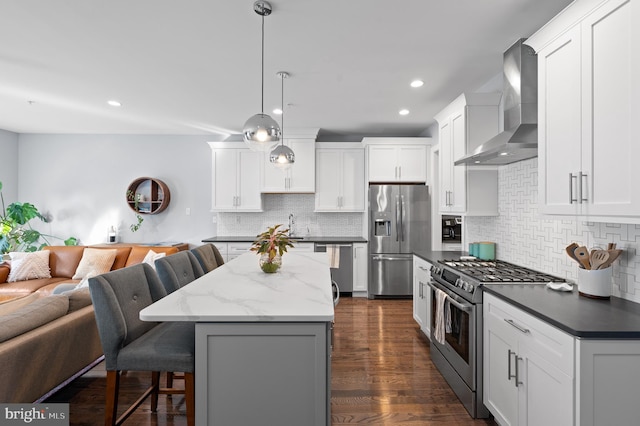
<point>263,341</point>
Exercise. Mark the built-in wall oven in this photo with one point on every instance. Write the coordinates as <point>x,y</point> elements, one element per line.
<point>457,351</point>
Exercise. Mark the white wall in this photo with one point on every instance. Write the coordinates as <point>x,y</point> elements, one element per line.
<point>526,238</point>
<point>80,181</point>
<point>9,166</point>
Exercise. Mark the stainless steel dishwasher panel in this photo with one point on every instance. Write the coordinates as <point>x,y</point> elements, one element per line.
<point>390,275</point>
<point>343,274</point>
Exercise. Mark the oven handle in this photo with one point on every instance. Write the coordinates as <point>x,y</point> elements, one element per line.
<point>465,307</point>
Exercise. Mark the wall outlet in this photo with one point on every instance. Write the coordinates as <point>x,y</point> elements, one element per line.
<point>188,211</point>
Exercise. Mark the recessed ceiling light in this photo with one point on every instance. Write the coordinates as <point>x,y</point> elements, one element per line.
<point>114,103</point>
<point>403,112</point>
<point>277,111</point>
<point>477,162</point>
<point>504,153</point>
<point>417,83</point>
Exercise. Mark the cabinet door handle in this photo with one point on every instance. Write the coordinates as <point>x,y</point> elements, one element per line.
<point>571,199</point>
<point>522,329</point>
<point>518,382</point>
<point>581,177</point>
<point>399,172</point>
<point>509,375</point>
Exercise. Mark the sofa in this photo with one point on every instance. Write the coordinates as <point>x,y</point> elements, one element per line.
<point>56,333</point>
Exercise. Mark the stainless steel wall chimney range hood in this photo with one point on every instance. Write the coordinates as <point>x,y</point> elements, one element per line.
<point>520,139</point>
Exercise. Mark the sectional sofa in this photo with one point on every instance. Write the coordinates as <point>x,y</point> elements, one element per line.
<point>48,339</point>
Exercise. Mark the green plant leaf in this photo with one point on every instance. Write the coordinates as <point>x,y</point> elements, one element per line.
<point>71,241</point>
<point>22,213</point>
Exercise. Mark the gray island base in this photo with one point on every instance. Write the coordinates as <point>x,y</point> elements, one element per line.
<point>263,341</point>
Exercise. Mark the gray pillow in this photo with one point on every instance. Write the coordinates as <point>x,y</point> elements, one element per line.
<point>40,312</point>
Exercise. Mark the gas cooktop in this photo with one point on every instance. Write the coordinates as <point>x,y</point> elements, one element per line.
<point>498,271</point>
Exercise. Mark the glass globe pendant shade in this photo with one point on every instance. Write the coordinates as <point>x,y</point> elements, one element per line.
<point>282,157</point>
<point>261,132</point>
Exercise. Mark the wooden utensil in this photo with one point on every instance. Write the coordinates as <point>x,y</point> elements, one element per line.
<point>570,249</point>
<point>582,254</point>
<point>598,258</point>
<point>613,255</point>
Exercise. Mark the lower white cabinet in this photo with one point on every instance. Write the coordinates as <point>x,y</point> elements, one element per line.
<point>301,248</point>
<point>421,294</point>
<point>528,367</point>
<point>230,251</point>
<point>360,254</point>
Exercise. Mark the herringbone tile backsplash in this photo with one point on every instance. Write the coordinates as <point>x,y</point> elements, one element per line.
<point>523,237</point>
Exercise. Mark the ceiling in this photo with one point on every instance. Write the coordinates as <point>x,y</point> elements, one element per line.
<point>193,66</point>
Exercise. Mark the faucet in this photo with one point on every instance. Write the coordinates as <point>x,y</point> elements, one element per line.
<point>292,222</point>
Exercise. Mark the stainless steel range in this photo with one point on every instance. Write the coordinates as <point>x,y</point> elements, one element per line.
<point>456,299</point>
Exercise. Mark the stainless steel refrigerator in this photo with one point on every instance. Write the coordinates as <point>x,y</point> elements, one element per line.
<point>399,224</point>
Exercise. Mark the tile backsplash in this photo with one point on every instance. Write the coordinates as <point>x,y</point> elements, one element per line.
<point>277,208</point>
<point>524,237</point>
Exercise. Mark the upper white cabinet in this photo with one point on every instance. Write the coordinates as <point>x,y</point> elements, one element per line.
<point>236,178</point>
<point>300,177</point>
<point>466,123</point>
<point>589,99</point>
<point>397,159</point>
<point>340,181</point>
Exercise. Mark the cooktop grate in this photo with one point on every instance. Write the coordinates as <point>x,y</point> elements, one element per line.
<point>499,271</point>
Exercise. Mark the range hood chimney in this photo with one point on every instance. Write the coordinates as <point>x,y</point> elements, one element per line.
<point>519,141</point>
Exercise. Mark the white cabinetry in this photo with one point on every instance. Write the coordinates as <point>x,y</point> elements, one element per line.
<point>422,295</point>
<point>360,254</point>
<point>235,178</point>
<point>230,251</point>
<point>589,102</point>
<point>469,121</point>
<point>300,177</point>
<point>397,159</point>
<point>299,247</point>
<point>528,367</point>
<point>340,181</point>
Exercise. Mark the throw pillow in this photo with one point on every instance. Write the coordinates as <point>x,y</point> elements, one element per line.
<point>95,261</point>
<point>29,266</point>
<point>151,257</point>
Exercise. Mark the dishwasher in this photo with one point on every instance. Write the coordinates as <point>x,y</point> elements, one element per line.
<point>343,274</point>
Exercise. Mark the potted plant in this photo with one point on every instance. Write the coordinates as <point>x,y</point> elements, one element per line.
<point>16,233</point>
<point>271,245</point>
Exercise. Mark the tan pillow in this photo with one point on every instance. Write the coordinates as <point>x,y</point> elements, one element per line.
<point>95,262</point>
<point>29,266</point>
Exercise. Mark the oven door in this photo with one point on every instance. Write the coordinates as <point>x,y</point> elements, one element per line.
<point>459,347</point>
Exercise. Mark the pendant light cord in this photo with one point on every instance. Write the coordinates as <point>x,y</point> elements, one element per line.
<point>262,97</point>
<point>282,107</point>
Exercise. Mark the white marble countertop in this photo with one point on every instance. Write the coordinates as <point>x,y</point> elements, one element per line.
<point>239,291</point>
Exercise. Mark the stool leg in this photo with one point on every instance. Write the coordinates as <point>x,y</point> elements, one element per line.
<point>189,396</point>
<point>155,383</point>
<point>111,404</point>
<point>169,379</point>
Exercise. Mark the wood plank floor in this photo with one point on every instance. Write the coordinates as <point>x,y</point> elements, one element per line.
<point>381,375</point>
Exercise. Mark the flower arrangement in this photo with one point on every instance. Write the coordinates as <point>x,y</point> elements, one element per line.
<point>271,245</point>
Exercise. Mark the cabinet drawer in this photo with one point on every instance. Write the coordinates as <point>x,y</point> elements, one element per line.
<point>555,346</point>
<point>238,248</point>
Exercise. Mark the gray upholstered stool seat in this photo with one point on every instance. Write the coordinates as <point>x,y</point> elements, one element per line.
<point>132,344</point>
<point>166,344</point>
<point>208,256</point>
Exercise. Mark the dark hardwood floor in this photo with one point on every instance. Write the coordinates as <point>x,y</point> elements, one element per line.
<point>381,375</point>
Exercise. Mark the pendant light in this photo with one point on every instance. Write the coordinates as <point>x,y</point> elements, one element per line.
<point>261,132</point>
<point>282,156</point>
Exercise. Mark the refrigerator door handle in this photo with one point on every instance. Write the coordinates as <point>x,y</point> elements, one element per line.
<point>398,223</point>
<point>402,218</point>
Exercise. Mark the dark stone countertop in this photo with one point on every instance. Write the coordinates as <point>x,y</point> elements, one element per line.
<point>434,256</point>
<point>325,240</point>
<point>577,315</point>
<point>580,316</point>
